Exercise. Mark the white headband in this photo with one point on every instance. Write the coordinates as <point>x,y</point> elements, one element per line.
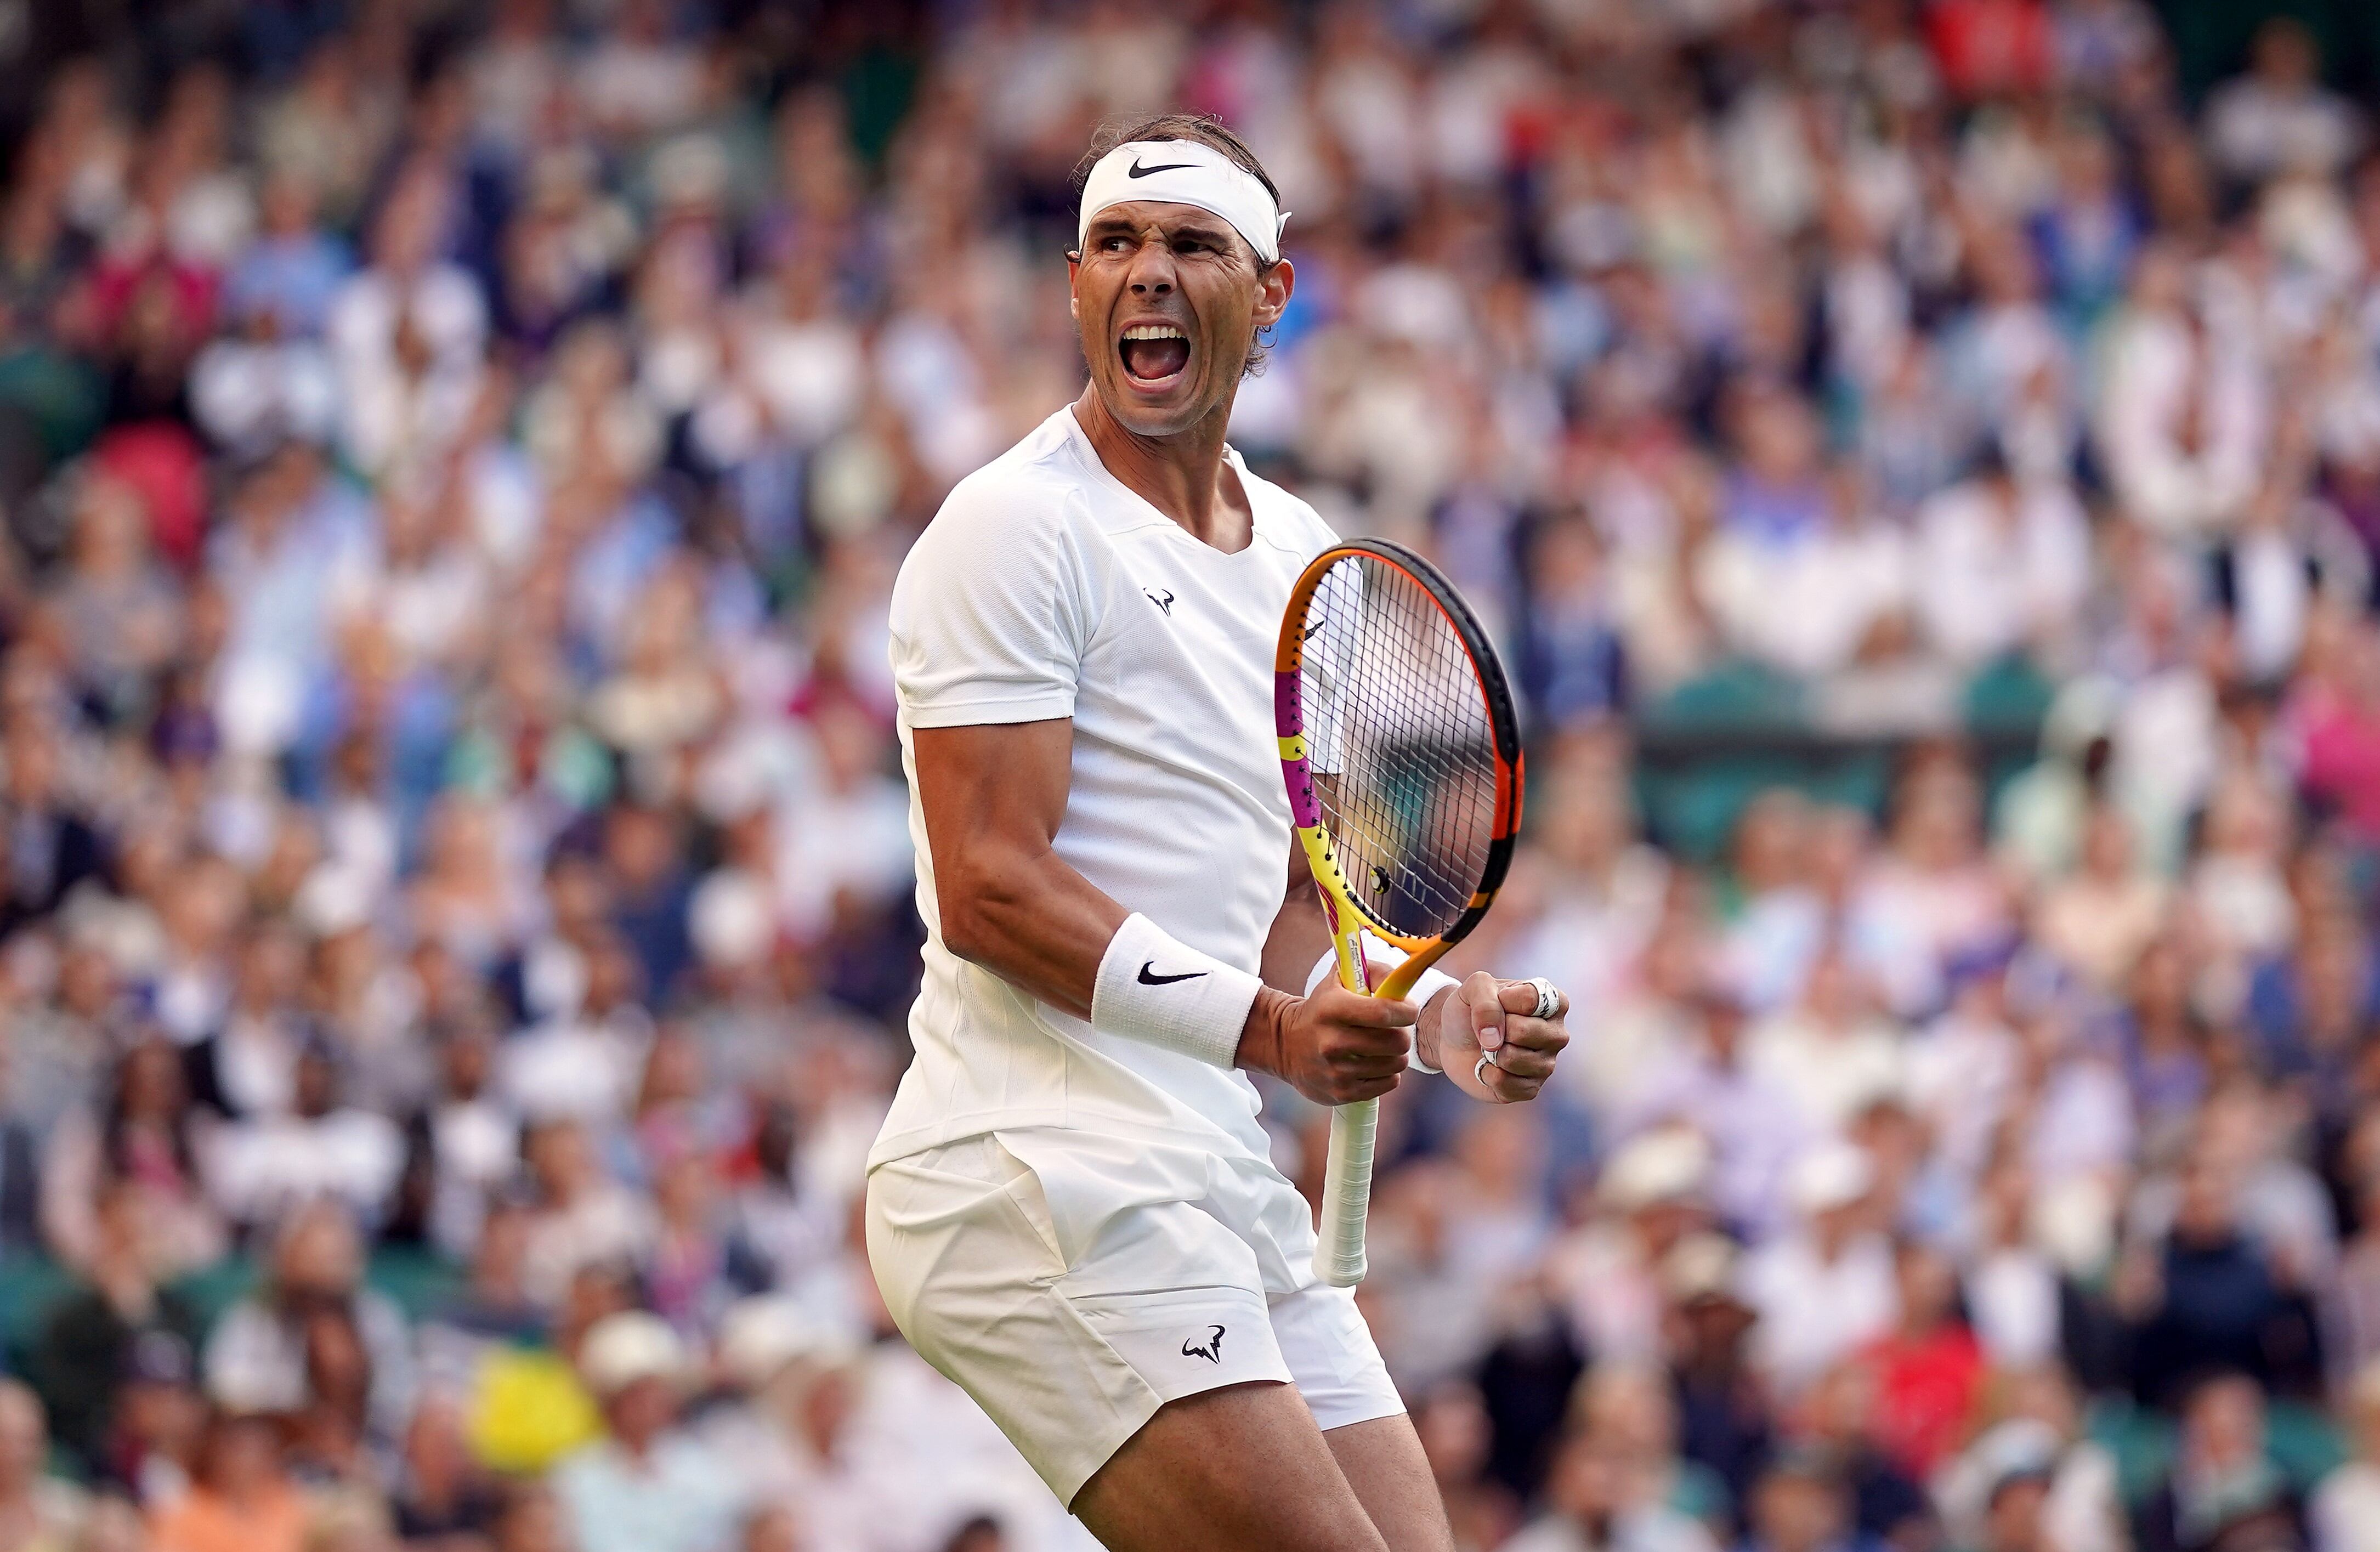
<point>1185,173</point>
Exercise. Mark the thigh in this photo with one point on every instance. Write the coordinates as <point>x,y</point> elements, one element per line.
<point>1225,1469</point>
<point>1071,1361</point>
<point>1383,1463</point>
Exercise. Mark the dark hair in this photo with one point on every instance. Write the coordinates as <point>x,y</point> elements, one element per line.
<point>1205,129</point>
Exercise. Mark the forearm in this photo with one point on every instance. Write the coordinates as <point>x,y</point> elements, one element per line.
<point>1037,923</point>
<point>993,796</point>
<point>1049,932</point>
<point>1300,936</point>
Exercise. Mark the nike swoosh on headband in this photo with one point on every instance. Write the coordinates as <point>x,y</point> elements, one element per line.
<point>1196,174</point>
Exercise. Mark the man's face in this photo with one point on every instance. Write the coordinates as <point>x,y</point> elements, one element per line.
<point>1796,1513</point>
<point>640,1409</point>
<point>2013,1522</point>
<point>1167,299</point>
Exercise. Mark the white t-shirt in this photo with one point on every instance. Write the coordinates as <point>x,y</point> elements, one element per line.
<point>1045,588</point>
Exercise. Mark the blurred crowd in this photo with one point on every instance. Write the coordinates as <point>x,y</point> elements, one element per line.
<point>454,919</point>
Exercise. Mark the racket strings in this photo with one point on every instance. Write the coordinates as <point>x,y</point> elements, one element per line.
<point>1398,740</point>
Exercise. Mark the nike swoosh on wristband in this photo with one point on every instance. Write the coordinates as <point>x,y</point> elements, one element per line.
<point>1148,980</point>
<point>1137,171</point>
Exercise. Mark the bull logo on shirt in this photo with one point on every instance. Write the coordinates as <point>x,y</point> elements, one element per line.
<point>1212,1351</point>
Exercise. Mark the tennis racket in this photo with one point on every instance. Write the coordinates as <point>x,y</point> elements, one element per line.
<point>1403,759</point>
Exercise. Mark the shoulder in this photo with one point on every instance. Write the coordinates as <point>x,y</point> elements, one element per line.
<point>1032,493</point>
<point>1286,520</point>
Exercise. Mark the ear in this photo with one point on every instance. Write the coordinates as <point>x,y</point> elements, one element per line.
<point>1073,274</point>
<point>1273,293</point>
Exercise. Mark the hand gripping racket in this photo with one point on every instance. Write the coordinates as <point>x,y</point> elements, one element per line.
<point>1403,758</point>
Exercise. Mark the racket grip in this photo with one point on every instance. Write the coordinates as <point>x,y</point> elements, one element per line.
<point>1346,1194</point>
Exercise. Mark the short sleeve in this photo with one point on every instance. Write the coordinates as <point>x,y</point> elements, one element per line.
<point>989,616</point>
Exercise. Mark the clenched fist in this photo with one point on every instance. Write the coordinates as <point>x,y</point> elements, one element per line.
<point>1334,1047</point>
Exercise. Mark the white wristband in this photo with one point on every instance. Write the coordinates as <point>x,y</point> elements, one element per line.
<point>1156,989</point>
<point>1387,958</point>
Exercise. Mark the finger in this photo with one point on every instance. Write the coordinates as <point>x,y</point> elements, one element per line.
<point>1535,1034</point>
<point>1479,993</point>
<point>1387,1055</point>
<point>1517,1062</point>
<point>1506,1089</point>
<point>1368,1069</point>
<point>1521,997</point>
<point>1346,1091</point>
<point>1352,1009</point>
<point>1369,1040</point>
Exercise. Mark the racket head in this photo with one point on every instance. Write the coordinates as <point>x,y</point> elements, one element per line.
<point>1399,746</point>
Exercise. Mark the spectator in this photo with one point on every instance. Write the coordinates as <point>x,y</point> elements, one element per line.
<point>2345,1513</point>
<point>1840,1426</point>
<point>2031,1430</point>
<point>2223,1490</point>
<point>95,1335</point>
<point>242,1500</point>
<point>2000,565</point>
<point>1608,1271</point>
<point>471,1141</point>
<point>1825,1287</point>
<point>1831,1054</point>
<point>444,1498</point>
<point>795,1376</point>
<point>159,1421</point>
<point>2016,1512</point>
<point>2280,118</point>
<point>2351,1302</point>
<point>2099,918</point>
<point>1929,1371</point>
<point>51,847</point>
<point>649,1485</point>
<point>260,1357</point>
<point>1595,1504</point>
<point>1800,1507</point>
<point>583,1217</point>
<point>40,1510</point>
<point>1572,665</point>
<point>2209,1301</point>
<point>1724,1416</point>
<point>143,1134</point>
<point>266,1166</point>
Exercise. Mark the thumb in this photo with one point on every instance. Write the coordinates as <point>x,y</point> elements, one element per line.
<point>1487,1013</point>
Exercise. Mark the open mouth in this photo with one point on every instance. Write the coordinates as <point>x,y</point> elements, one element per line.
<point>1153,352</point>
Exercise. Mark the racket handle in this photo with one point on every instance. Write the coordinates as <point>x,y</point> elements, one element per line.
<point>1346,1194</point>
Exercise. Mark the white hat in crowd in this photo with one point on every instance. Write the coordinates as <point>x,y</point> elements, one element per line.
<point>1833,1174</point>
<point>632,1345</point>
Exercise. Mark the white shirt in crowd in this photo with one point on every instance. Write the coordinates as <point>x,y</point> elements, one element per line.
<point>1814,1311</point>
<point>2346,1509</point>
<point>2182,420</point>
<point>1997,570</point>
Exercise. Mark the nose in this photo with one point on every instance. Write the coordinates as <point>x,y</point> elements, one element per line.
<point>1151,273</point>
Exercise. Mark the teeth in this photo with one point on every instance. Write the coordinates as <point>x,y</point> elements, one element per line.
<point>1154,332</point>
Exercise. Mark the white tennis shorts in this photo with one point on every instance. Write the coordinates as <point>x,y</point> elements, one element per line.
<point>1073,1282</point>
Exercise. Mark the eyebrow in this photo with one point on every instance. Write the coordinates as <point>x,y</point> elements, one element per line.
<point>1201,227</point>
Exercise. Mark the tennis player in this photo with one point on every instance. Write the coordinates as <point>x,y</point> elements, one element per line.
<point>1072,1210</point>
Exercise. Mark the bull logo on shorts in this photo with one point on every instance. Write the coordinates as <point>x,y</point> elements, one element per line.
<point>1213,1350</point>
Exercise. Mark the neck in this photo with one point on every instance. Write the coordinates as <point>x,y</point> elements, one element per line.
<point>1184,476</point>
